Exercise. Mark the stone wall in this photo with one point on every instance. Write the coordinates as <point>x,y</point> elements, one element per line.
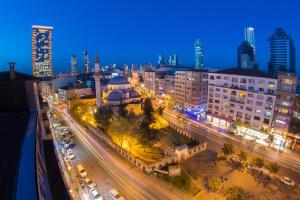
<point>140,164</point>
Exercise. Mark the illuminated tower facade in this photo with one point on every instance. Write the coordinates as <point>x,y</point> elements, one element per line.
<point>198,55</point>
<point>73,64</point>
<point>250,38</point>
<point>86,62</point>
<point>42,51</point>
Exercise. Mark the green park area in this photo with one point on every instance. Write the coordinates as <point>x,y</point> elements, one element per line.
<point>183,182</point>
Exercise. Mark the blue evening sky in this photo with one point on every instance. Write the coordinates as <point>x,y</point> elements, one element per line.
<point>136,31</point>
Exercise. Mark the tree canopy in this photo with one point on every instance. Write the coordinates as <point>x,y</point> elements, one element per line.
<point>234,193</point>
<point>228,149</point>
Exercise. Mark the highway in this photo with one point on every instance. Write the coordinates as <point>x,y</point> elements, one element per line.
<point>216,138</point>
<point>130,182</point>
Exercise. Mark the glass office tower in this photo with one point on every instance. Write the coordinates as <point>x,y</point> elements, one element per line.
<point>198,55</point>
<point>281,53</point>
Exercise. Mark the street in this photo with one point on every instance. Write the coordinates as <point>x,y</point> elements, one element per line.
<point>109,170</point>
<point>216,138</point>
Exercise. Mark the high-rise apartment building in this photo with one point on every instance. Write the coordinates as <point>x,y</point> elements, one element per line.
<point>86,62</point>
<point>191,89</point>
<point>198,55</point>
<point>285,96</point>
<point>173,60</point>
<point>244,96</point>
<point>282,55</point>
<point>73,64</point>
<point>161,60</point>
<point>42,51</point>
<point>245,56</point>
<point>249,37</point>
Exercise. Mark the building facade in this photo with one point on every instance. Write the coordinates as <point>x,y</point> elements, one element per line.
<point>199,64</point>
<point>42,51</point>
<point>241,96</point>
<point>285,98</point>
<point>191,89</point>
<point>67,92</point>
<point>282,55</point>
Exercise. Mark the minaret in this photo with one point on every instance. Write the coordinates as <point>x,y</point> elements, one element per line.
<point>97,78</point>
<point>97,66</point>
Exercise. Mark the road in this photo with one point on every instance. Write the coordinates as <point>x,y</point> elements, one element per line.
<point>216,138</point>
<point>109,170</point>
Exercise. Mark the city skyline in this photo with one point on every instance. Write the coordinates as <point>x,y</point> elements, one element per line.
<point>137,47</point>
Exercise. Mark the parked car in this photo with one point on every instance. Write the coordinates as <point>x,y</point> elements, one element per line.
<point>287,181</point>
<point>114,194</point>
<point>81,171</point>
<point>70,154</point>
<point>95,194</point>
<point>89,182</point>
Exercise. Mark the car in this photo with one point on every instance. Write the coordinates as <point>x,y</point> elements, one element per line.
<point>81,171</point>
<point>70,154</point>
<point>114,194</point>
<point>287,181</point>
<point>89,182</point>
<point>95,194</point>
<point>68,165</point>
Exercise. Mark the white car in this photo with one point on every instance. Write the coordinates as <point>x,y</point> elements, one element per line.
<point>89,182</point>
<point>114,194</point>
<point>287,181</point>
<point>70,154</point>
<point>95,194</point>
<point>81,171</point>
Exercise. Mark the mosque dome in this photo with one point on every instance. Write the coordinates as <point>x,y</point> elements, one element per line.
<point>115,95</point>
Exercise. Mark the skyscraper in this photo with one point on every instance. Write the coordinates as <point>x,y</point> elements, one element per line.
<point>86,62</point>
<point>161,60</point>
<point>245,56</point>
<point>173,60</point>
<point>198,55</point>
<point>282,53</point>
<point>73,64</point>
<point>249,37</point>
<point>42,51</point>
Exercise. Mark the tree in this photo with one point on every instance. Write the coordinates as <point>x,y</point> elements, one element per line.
<point>148,109</point>
<point>122,111</point>
<point>160,110</point>
<point>146,136</point>
<point>243,156</point>
<point>119,128</point>
<point>258,162</point>
<point>175,138</point>
<point>273,167</point>
<point>213,183</point>
<point>234,193</point>
<point>158,122</point>
<point>103,116</point>
<point>228,149</point>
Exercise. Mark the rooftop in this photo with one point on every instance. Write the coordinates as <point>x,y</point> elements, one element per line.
<point>5,76</point>
<point>243,72</point>
<point>118,80</point>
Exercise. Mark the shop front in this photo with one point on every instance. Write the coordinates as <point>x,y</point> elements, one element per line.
<point>218,122</point>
